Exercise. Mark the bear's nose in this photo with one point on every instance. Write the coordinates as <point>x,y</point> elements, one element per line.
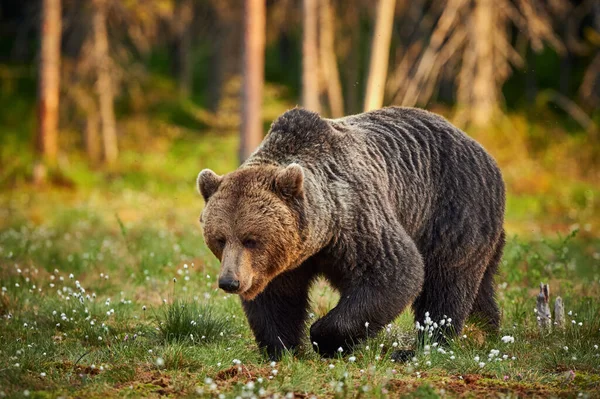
<point>229,284</point>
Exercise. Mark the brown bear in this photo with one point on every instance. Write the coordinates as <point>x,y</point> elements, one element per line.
<point>393,207</point>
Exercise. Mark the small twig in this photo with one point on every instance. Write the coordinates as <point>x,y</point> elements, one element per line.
<point>284,347</point>
<point>82,356</point>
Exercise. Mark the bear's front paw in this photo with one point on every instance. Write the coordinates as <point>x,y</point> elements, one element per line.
<point>326,340</point>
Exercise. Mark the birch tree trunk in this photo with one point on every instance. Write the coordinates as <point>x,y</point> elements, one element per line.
<point>327,57</point>
<point>104,85</point>
<point>49,81</point>
<point>380,52</point>
<point>310,62</point>
<point>253,77</point>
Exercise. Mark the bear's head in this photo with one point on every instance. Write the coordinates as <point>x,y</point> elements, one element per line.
<point>252,223</point>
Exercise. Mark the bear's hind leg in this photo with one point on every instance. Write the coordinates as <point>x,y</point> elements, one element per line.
<point>485,309</point>
<point>449,291</point>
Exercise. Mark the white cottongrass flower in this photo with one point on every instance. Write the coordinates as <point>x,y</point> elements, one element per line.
<point>508,339</point>
<point>481,365</point>
<point>366,324</point>
<point>160,361</point>
<point>352,359</point>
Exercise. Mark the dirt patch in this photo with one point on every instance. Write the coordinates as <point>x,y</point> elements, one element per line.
<point>241,373</point>
<point>475,385</point>
<point>77,368</point>
<point>147,380</point>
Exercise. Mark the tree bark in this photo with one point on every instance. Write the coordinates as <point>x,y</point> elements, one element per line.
<point>92,139</point>
<point>484,101</point>
<point>185,14</point>
<point>327,56</point>
<point>380,51</point>
<point>544,317</point>
<point>559,313</point>
<point>104,85</point>
<point>49,80</point>
<point>310,62</point>
<point>226,60</point>
<point>253,77</point>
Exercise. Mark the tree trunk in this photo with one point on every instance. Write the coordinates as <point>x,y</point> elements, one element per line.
<point>484,101</point>
<point>331,75</point>
<point>225,63</point>
<point>92,139</point>
<point>49,80</point>
<point>104,86</point>
<point>310,62</point>
<point>380,52</point>
<point>185,16</point>
<point>253,77</point>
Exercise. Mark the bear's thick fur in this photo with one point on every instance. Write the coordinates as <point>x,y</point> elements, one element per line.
<point>393,207</point>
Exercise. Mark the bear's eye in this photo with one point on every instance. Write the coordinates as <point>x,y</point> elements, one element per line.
<point>249,243</point>
<point>221,242</point>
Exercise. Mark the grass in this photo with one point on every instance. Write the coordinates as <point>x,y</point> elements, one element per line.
<point>108,290</point>
<point>103,298</point>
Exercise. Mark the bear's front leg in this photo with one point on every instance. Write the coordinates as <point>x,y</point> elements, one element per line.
<point>360,314</point>
<point>277,316</point>
<point>388,283</point>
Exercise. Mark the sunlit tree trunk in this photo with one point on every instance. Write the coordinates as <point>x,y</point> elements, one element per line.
<point>104,86</point>
<point>253,77</point>
<point>380,51</point>
<point>49,80</point>
<point>484,99</point>
<point>310,61</point>
<point>327,56</point>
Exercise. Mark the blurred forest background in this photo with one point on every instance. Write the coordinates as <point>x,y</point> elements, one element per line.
<point>108,95</point>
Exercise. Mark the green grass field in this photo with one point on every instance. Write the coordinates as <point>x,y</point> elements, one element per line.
<point>108,290</point>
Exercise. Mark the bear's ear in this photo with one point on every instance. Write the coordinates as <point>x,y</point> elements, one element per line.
<point>208,182</point>
<point>289,182</point>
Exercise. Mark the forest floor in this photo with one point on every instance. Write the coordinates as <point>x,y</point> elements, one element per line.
<point>108,290</point>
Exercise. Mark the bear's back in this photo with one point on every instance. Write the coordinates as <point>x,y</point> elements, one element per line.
<point>403,160</point>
